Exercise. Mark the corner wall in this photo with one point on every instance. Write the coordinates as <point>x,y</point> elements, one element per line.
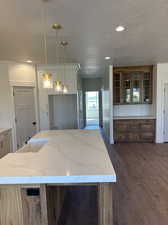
<point>107,99</point>
<point>162,79</point>
<point>5,98</point>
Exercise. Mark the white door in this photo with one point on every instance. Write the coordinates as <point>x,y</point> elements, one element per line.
<point>166,113</point>
<point>25,116</point>
<point>92,108</point>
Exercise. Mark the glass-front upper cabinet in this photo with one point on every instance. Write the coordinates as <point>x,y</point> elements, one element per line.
<point>126,88</point>
<point>136,86</point>
<point>147,88</point>
<point>117,88</point>
<point>132,85</point>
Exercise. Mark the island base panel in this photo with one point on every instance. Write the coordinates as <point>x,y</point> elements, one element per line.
<point>55,199</point>
<point>105,204</point>
<point>42,204</point>
<point>11,211</point>
<point>21,205</point>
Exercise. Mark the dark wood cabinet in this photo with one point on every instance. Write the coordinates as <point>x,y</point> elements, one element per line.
<point>132,85</point>
<point>134,130</point>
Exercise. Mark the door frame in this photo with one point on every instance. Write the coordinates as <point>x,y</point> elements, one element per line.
<point>100,110</point>
<point>84,102</point>
<point>14,137</point>
<point>164,109</point>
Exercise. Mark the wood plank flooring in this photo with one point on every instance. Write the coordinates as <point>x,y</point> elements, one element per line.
<point>140,194</point>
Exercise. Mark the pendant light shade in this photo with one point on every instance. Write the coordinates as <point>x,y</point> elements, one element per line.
<point>65,89</point>
<point>47,80</point>
<point>58,86</point>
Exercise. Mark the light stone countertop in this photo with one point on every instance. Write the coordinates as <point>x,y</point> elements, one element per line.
<point>66,156</point>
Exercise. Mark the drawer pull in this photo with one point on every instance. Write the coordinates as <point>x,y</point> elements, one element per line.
<point>33,192</point>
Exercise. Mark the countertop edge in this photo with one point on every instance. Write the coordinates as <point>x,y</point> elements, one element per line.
<point>59,180</point>
<point>135,118</point>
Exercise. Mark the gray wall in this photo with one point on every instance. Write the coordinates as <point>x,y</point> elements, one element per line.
<point>63,111</point>
<point>92,84</point>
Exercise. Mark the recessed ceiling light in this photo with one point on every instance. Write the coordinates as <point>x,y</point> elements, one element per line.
<point>120,28</point>
<point>29,61</point>
<point>107,57</point>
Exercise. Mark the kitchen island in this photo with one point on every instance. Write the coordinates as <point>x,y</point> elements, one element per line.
<point>33,180</point>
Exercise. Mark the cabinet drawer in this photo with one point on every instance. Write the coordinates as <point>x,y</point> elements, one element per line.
<point>134,130</point>
<point>134,126</point>
<point>148,125</point>
<point>133,137</point>
<point>127,137</point>
<point>147,137</point>
<point>121,138</point>
<point>122,125</point>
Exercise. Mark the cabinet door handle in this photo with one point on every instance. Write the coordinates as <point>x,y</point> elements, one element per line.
<point>34,123</point>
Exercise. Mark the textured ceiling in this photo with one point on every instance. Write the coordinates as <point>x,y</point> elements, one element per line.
<point>89,26</point>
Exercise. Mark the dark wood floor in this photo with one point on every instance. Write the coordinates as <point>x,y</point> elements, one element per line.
<point>140,194</point>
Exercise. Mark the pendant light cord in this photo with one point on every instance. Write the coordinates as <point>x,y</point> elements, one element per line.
<point>64,63</point>
<point>57,54</point>
<point>45,47</point>
<point>44,34</point>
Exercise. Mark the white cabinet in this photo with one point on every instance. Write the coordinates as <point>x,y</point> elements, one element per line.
<point>5,143</point>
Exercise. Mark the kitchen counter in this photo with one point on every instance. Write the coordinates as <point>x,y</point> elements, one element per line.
<point>134,117</point>
<point>38,174</point>
<point>68,156</point>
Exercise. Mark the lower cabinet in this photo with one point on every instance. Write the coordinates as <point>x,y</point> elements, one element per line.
<point>21,205</point>
<point>5,143</point>
<point>134,130</point>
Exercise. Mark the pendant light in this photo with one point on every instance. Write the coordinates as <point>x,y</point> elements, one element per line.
<point>57,84</point>
<point>64,44</point>
<point>47,77</point>
<point>65,89</point>
<point>47,80</point>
